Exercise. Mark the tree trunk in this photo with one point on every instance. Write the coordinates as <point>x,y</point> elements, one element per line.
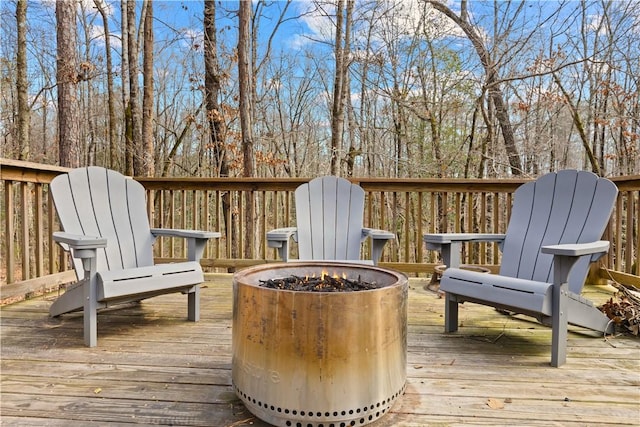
<point>212,90</point>
<point>246,125</point>
<point>24,111</point>
<point>353,152</point>
<point>215,116</point>
<point>67,77</point>
<point>337,111</point>
<point>111,119</point>
<point>148,166</point>
<point>88,126</point>
<point>135,135</point>
<point>127,135</point>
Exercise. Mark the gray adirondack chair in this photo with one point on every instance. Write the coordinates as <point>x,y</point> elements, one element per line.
<point>106,229</point>
<point>329,218</point>
<point>552,236</point>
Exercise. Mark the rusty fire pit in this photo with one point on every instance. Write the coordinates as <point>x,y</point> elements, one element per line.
<point>319,359</point>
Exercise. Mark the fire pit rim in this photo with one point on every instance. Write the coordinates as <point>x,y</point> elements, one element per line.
<point>395,277</point>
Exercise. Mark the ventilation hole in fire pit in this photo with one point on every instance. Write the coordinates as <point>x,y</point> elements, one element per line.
<point>367,412</point>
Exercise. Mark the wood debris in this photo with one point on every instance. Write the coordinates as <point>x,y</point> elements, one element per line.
<point>624,308</point>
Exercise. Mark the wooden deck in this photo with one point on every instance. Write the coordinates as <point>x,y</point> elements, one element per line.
<point>152,367</point>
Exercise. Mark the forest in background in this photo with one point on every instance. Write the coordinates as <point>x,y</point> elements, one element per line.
<point>390,88</point>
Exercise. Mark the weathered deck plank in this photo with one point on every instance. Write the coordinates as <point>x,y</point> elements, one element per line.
<point>152,367</point>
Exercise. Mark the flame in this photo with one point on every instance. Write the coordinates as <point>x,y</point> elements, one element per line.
<point>325,274</point>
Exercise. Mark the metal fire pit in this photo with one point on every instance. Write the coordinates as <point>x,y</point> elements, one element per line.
<point>319,359</point>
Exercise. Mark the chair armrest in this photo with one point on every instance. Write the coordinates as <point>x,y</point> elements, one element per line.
<point>196,239</point>
<point>84,248</point>
<point>379,238</point>
<point>449,244</point>
<point>78,241</point>
<point>445,238</point>
<point>280,235</point>
<point>565,256</point>
<point>279,239</point>
<point>375,233</point>
<point>578,249</point>
<point>196,234</point>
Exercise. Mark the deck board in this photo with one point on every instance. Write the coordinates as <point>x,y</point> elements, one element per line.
<point>152,367</point>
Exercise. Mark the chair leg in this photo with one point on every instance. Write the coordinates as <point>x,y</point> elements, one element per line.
<point>193,311</point>
<point>450,313</point>
<point>559,324</point>
<point>90,314</point>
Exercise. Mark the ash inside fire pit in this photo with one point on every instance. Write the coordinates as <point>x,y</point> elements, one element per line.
<point>323,283</point>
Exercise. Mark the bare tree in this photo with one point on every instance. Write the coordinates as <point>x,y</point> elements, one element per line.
<point>212,83</point>
<point>340,89</point>
<point>67,77</point>
<point>147,161</point>
<point>245,107</point>
<point>24,111</point>
<point>133,137</point>
<point>215,117</point>
<point>492,83</point>
<point>418,110</point>
<point>577,121</point>
<point>88,98</point>
<point>127,131</point>
<point>111,117</point>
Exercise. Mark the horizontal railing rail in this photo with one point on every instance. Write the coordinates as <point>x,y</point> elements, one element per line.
<point>407,207</point>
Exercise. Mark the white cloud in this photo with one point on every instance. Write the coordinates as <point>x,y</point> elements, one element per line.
<point>403,17</point>
<point>96,32</point>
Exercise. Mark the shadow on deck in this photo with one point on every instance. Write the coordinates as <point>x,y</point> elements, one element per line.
<point>152,367</point>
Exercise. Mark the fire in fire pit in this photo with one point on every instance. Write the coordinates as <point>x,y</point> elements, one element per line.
<point>319,357</point>
<point>322,283</point>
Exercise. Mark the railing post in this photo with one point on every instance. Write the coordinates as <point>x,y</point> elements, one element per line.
<point>9,231</point>
<point>26,246</point>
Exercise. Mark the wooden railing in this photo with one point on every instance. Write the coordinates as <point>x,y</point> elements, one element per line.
<point>408,207</point>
